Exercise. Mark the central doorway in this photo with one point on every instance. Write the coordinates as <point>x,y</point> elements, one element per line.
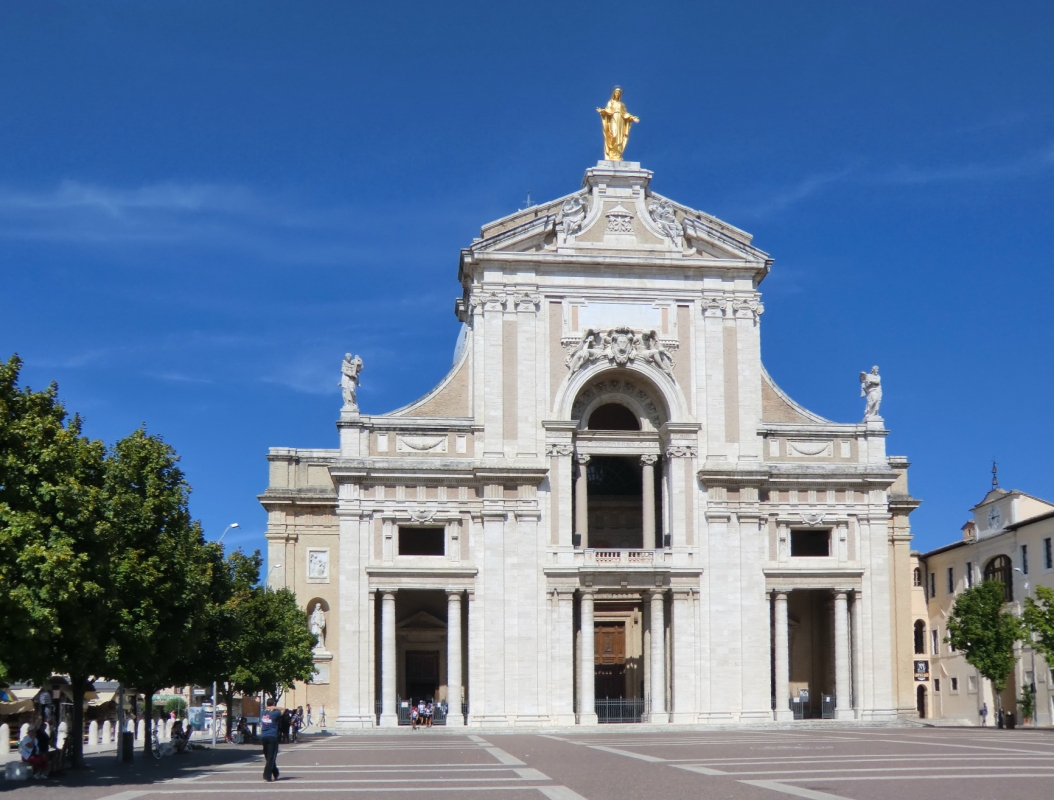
<point>610,661</point>
<point>422,675</point>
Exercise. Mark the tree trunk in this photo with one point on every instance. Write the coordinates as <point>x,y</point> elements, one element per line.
<point>78,683</point>
<point>148,709</point>
<point>228,698</point>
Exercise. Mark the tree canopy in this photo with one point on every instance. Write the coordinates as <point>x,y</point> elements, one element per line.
<point>985,631</point>
<point>1039,618</point>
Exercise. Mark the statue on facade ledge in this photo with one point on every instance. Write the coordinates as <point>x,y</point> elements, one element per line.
<point>616,122</point>
<point>317,624</point>
<point>871,388</point>
<point>349,381</point>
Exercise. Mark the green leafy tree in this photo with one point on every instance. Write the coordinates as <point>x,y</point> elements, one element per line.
<point>1039,618</point>
<point>983,629</point>
<point>161,568</point>
<point>53,556</point>
<point>275,647</point>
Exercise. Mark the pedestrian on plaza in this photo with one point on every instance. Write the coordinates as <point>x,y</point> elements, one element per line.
<point>429,712</point>
<point>31,755</point>
<point>321,716</point>
<point>308,717</point>
<point>269,737</point>
<point>414,718</point>
<point>984,715</point>
<point>999,718</point>
<point>283,727</point>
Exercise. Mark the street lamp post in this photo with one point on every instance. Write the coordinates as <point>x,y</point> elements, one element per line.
<point>1032,651</point>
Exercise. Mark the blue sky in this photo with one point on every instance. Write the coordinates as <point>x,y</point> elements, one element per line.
<point>204,205</point>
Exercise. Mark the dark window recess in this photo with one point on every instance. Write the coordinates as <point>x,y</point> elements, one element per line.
<point>613,417</point>
<point>810,543</point>
<point>422,542</point>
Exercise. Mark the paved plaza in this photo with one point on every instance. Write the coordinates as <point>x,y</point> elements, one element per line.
<point>822,762</point>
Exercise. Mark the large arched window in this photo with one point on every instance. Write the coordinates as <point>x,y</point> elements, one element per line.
<point>1000,569</point>
<point>920,637</point>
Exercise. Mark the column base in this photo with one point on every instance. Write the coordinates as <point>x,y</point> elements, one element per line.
<point>588,719</point>
<point>355,721</point>
<point>784,715</point>
<point>844,713</point>
<point>564,720</point>
<point>389,720</point>
<point>658,718</point>
<point>455,720</point>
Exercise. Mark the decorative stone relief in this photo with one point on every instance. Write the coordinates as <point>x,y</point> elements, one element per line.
<point>420,444</point>
<point>846,449</point>
<point>461,443</point>
<point>663,216</point>
<point>489,300</point>
<point>748,308</point>
<point>627,388</point>
<point>809,448</point>
<point>680,451</point>
<point>321,675</point>
<point>573,214</point>
<point>774,447</point>
<point>714,305</point>
<point>423,514</point>
<point>812,519</point>
<point>526,301</point>
<point>620,346</point>
<point>559,449</point>
<point>318,565</point>
<point>619,220</point>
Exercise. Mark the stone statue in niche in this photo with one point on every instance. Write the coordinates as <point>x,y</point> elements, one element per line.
<point>871,388</point>
<point>349,381</point>
<point>573,214</point>
<point>317,625</point>
<point>663,216</point>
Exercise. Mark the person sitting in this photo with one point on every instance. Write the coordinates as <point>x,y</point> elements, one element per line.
<point>31,755</point>
<point>178,737</point>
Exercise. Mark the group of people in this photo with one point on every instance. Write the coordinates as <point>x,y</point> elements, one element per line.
<point>423,713</point>
<point>33,749</point>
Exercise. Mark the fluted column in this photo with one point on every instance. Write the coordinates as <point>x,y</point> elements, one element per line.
<point>842,692</point>
<point>657,668</point>
<point>782,657</point>
<point>388,712</point>
<point>453,660</point>
<point>587,714</point>
<point>857,655</point>
<point>582,500</point>
<point>648,481</point>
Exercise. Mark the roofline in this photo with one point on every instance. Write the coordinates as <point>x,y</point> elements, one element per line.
<point>1030,520</point>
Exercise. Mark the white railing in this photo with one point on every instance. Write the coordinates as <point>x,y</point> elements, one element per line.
<point>632,558</point>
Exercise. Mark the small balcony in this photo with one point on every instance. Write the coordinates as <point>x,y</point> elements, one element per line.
<point>622,557</point>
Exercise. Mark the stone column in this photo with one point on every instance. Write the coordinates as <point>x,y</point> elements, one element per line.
<point>587,714</point>
<point>453,660</point>
<point>582,500</point>
<point>782,657</point>
<point>657,669</point>
<point>389,717</point>
<point>842,692</point>
<point>563,672</point>
<point>857,655</point>
<point>648,481</point>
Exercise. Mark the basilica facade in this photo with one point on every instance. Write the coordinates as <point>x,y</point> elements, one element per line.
<point>607,510</point>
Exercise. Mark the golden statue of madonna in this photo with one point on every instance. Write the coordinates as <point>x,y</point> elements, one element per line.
<point>616,122</point>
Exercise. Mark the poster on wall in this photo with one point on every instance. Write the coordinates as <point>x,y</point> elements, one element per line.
<point>922,670</point>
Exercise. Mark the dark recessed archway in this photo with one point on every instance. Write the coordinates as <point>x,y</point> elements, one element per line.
<point>613,417</point>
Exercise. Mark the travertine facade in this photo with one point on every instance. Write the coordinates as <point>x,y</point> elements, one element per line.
<point>1010,539</point>
<point>607,507</point>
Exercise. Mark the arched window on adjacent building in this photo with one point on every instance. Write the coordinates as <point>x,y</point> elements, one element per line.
<point>917,579</point>
<point>920,637</point>
<point>1001,569</point>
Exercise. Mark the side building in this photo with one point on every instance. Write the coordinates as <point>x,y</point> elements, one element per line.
<point>1010,539</point>
<point>607,509</point>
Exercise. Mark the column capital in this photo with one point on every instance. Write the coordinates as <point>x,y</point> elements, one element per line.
<point>658,592</point>
<point>582,458</point>
<point>451,593</point>
<point>780,594</point>
<point>648,460</point>
<point>587,591</point>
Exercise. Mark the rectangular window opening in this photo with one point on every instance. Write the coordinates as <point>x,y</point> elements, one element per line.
<point>1048,553</point>
<point>955,684</point>
<point>933,584</point>
<point>936,684</point>
<point>935,642</point>
<point>969,574</point>
<point>1024,559</point>
<point>415,541</point>
<point>811,543</point>
<point>951,580</point>
<point>971,684</point>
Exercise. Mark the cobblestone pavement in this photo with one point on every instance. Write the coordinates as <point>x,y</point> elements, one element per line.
<point>820,763</point>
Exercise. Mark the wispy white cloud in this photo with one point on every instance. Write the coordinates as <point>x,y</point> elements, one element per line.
<point>1029,165</point>
<point>791,195</point>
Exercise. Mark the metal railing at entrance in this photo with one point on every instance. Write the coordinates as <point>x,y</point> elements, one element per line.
<point>620,710</point>
<point>402,712</point>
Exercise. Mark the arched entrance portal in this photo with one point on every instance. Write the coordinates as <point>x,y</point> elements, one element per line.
<point>920,701</point>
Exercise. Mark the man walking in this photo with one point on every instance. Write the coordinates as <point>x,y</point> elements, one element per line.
<point>984,715</point>
<point>269,736</point>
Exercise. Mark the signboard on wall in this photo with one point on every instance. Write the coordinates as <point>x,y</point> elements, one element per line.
<point>922,670</point>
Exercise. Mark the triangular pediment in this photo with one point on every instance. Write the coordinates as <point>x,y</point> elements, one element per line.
<point>422,620</point>
<point>616,213</point>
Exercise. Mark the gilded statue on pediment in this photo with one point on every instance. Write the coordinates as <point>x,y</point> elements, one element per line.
<point>616,122</point>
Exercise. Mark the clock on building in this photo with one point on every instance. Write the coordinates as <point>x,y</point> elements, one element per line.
<point>995,518</point>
